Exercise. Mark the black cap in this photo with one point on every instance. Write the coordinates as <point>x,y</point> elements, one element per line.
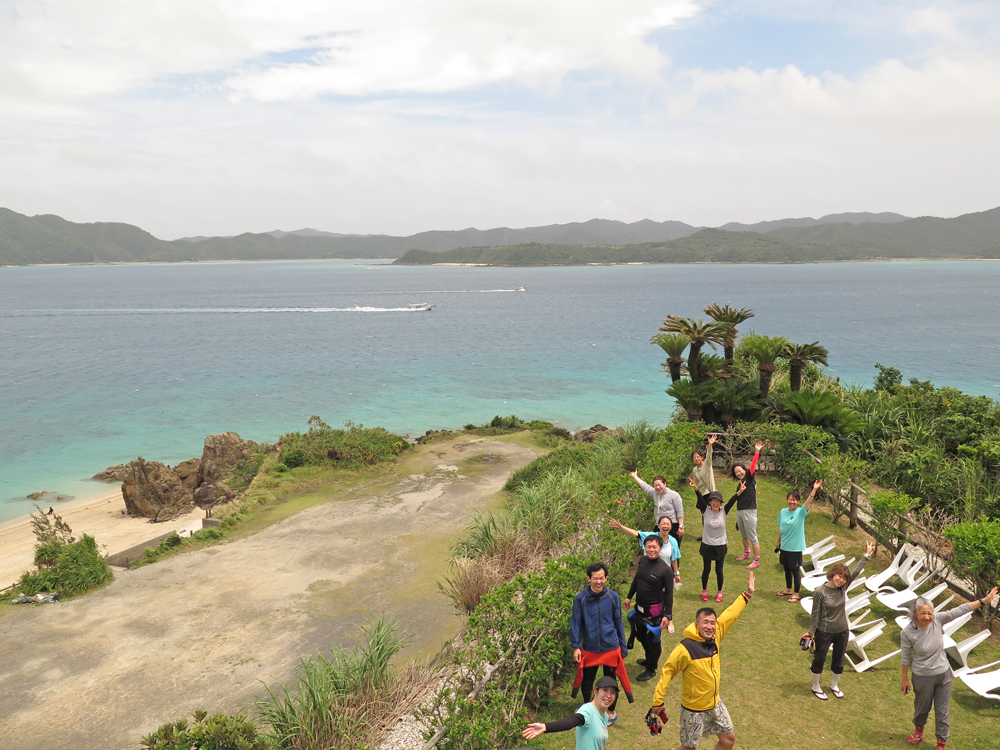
<point>606,682</point>
<point>715,495</point>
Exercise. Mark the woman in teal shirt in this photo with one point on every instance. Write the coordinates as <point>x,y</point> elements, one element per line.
<point>792,540</point>
<point>590,720</point>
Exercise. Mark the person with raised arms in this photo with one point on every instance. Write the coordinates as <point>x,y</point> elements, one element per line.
<point>590,720</point>
<point>829,625</point>
<point>746,508</point>
<point>922,642</point>
<point>702,474</point>
<point>696,659</point>
<point>666,502</point>
<point>792,539</point>
<point>670,553</point>
<point>714,542</point>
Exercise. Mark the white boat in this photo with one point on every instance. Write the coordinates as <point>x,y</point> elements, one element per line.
<point>420,307</point>
<point>520,289</point>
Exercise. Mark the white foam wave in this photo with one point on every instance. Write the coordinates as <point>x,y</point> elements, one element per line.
<point>224,310</point>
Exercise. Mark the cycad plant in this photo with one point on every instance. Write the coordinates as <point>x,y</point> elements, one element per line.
<point>733,317</point>
<point>674,345</point>
<point>692,397</point>
<point>797,355</point>
<point>765,350</point>
<point>737,400</point>
<point>699,333</point>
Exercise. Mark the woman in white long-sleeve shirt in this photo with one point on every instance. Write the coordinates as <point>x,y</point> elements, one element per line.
<point>922,644</point>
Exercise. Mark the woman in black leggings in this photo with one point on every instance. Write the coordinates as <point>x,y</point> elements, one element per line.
<point>714,544</point>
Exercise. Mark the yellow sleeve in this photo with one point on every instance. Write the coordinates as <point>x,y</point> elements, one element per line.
<point>675,664</point>
<point>728,618</point>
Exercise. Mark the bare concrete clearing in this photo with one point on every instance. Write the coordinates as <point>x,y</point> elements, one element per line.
<point>202,630</point>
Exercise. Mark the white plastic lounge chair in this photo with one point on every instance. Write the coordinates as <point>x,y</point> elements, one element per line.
<point>820,565</point>
<point>882,578</point>
<point>950,628</point>
<point>862,641</point>
<point>858,624</point>
<point>986,684</point>
<point>901,600</point>
<point>960,651</point>
<point>818,553</point>
<point>811,549</point>
<point>813,579</point>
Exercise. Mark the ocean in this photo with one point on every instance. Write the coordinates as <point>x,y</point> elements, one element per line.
<point>101,364</point>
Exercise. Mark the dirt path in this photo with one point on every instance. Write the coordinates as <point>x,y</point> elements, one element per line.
<point>202,630</point>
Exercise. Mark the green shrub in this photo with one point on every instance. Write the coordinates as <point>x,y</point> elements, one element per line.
<point>888,512</point>
<point>208,534</point>
<point>78,568</point>
<point>216,732</point>
<point>294,458</point>
<point>349,448</point>
<point>976,548</point>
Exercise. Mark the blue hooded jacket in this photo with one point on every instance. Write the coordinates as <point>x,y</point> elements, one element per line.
<point>596,624</point>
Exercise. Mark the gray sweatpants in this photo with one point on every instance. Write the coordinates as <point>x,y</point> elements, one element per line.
<point>936,689</point>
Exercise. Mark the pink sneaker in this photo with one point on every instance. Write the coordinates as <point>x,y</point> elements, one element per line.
<point>744,556</point>
<point>754,564</point>
<point>704,595</point>
<point>718,597</point>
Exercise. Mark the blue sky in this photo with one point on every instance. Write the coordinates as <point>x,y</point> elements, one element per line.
<point>399,116</point>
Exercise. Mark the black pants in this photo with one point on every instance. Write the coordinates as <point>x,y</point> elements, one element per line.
<point>823,643</point>
<point>589,676</point>
<point>651,647</point>
<point>792,563</point>
<point>673,533</point>
<point>708,554</point>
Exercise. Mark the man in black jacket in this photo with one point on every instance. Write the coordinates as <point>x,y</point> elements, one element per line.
<point>653,587</point>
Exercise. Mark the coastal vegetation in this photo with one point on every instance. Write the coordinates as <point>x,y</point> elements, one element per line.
<point>64,565</point>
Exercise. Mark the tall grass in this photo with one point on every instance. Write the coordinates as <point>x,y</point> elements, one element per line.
<point>347,700</point>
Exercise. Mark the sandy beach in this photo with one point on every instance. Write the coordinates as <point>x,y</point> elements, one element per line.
<point>98,515</point>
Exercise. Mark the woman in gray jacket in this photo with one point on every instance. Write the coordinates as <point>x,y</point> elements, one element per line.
<point>829,623</point>
<point>923,653</point>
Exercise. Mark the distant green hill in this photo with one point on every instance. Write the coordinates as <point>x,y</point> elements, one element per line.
<point>43,239</point>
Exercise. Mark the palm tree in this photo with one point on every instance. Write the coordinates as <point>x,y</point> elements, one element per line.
<point>674,345</point>
<point>699,333</point>
<point>766,350</point>
<point>714,366</point>
<point>733,316</point>
<point>797,355</point>
<point>692,397</point>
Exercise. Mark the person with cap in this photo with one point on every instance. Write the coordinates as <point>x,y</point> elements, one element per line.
<point>922,642</point>
<point>590,720</point>
<point>653,587</point>
<point>598,635</point>
<point>696,659</point>
<point>714,542</point>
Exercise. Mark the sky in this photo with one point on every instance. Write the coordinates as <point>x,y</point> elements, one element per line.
<point>216,117</point>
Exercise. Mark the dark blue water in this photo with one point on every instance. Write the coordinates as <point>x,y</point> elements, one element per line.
<point>103,363</point>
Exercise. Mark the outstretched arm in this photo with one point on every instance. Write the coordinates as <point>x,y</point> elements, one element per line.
<point>812,493</point>
<point>562,725</point>
<point>635,476</point>
<point>616,524</point>
<point>756,457</point>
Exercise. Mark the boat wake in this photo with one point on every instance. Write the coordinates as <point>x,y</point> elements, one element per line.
<point>221,310</point>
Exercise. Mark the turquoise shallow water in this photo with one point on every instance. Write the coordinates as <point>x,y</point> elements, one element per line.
<point>104,363</point>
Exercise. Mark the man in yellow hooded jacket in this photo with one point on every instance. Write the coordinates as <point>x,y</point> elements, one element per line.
<point>696,658</point>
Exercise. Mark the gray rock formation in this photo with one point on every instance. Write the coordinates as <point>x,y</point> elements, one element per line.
<point>154,490</point>
<point>111,474</point>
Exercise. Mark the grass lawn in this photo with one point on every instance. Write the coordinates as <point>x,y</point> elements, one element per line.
<point>765,676</point>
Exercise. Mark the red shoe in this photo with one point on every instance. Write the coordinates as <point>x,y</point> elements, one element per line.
<point>941,744</point>
<point>744,556</point>
<point>704,595</point>
<point>718,597</point>
<point>917,736</point>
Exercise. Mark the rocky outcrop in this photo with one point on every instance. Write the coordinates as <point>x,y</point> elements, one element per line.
<point>588,436</point>
<point>154,490</point>
<point>111,474</point>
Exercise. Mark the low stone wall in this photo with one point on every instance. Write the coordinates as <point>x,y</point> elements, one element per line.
<point>123,558</point>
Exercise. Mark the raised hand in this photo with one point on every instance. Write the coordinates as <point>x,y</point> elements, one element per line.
<point>743,486</point>
<point>634,474</point>
<point>712,439</point>
<point>692,483</point>
<point>751,581</point>
<point>614,523</point>
<point>817,484</point>
<point>758,446</point>
<point>533,731</point>
<point>869,548</point>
